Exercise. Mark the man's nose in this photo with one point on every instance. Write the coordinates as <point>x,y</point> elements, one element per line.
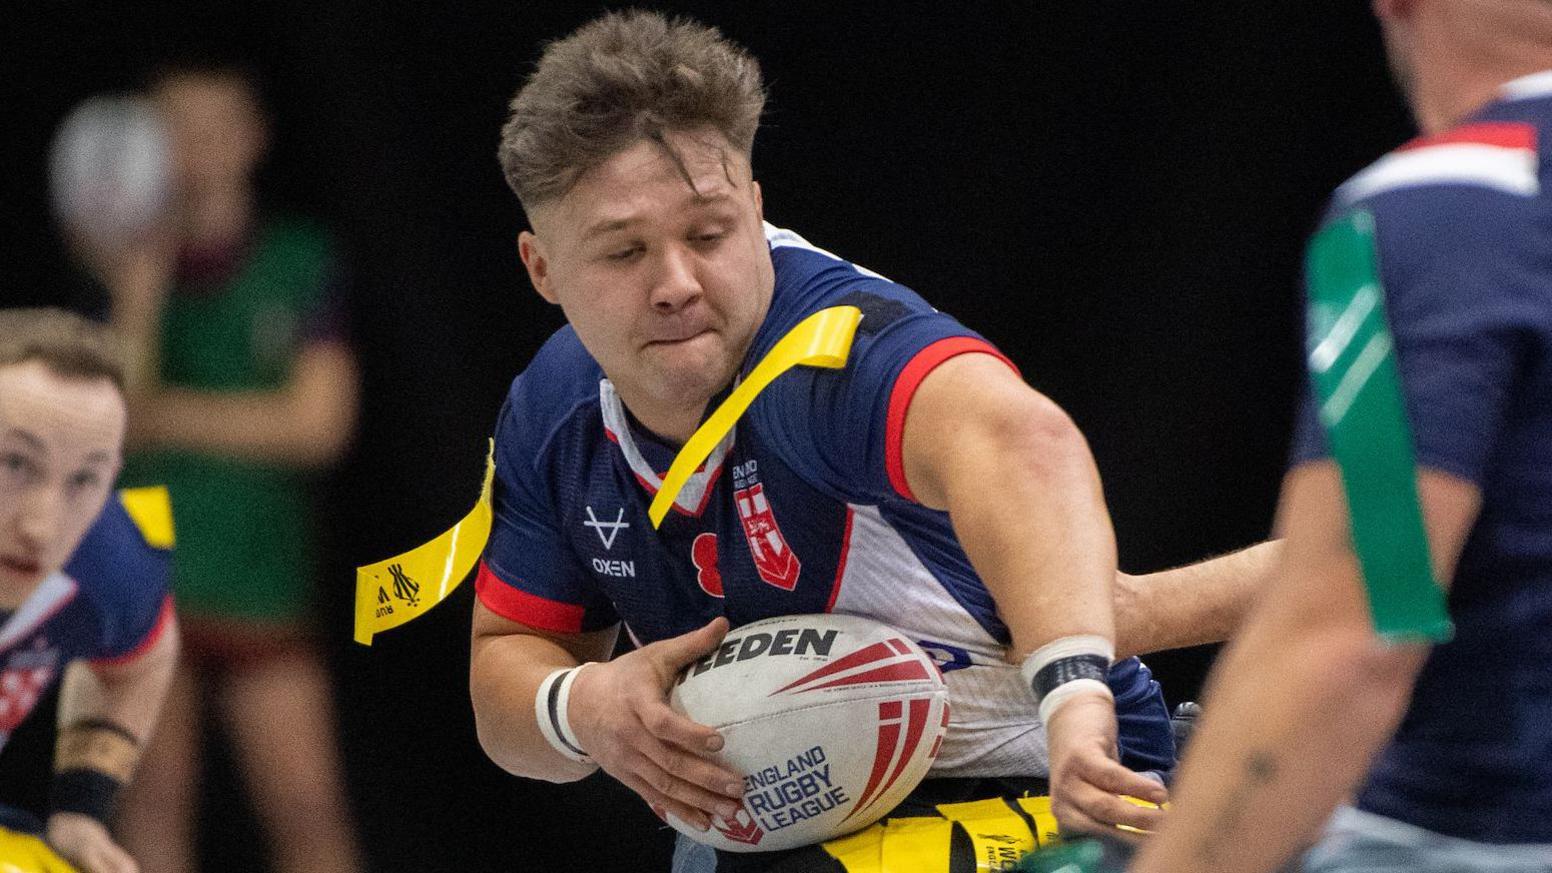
<point>676,282</point>
<point>41,512</point>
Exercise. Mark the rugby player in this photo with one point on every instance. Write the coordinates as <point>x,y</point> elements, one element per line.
<point>83,588</point>
<point>1456,741</point>
<point>925,485</point>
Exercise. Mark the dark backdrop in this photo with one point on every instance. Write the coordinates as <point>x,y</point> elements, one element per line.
<point>1115,193</point>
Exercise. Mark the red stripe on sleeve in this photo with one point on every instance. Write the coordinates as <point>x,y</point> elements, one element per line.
<point>907,382</point>
<point>163,619</point>
<point>520,606</point>
<point>1505,134</point>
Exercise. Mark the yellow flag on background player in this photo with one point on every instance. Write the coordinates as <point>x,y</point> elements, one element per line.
<point>150,508</point>
<point>820,340</point>
<point>390,593</point>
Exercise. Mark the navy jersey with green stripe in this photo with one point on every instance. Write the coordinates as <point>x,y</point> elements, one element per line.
<point>1464,230</point>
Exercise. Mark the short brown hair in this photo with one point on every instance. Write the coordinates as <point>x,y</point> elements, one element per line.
<point>66,343</point>
<point>621,78</point>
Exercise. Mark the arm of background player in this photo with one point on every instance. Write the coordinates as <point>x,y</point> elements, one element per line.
<point>1306,696</point>
<point>1201,603</point>
<point>128,693</point>
<point>1024,496</point>
<point>306,423</point>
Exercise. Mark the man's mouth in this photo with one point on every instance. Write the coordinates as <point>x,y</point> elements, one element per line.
<point>677,338</point>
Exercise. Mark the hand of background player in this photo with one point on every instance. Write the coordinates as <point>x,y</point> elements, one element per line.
<point>1086,778</point>
<point>84,841</point>
<point>620,714</point>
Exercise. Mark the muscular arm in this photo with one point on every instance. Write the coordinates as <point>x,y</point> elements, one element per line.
<point>1192,605</point>
<point>1021,489</point>
<point>306,423</point>
<point>1022,492</point>
<point>507,663</point>
<point>1272,759</point>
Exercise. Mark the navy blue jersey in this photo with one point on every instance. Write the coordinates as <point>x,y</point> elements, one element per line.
<point>108,605</point>
<point>803,508</point>
<point>1465,248</point>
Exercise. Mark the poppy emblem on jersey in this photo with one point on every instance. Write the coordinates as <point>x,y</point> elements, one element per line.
<point>773,558</point>
<point>741,829</point>
<point>703,553</point>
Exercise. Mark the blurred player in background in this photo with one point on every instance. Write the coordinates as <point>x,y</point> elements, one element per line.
<point>83,589</point>
<point>242,387</point>
<point>1306,699</point>
<point>925,485</point>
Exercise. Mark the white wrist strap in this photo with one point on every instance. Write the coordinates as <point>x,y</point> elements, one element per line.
<point>551,705</point>
<point>1067,667</point>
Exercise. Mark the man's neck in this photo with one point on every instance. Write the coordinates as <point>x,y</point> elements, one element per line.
<point>674,425</point>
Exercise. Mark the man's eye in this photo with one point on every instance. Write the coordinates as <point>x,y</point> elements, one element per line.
<point>709,237</point>
<point>85,479</point>
<point>623,254</point>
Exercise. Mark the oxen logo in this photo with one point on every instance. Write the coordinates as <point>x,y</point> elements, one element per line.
<point>742,829</point>
<point>773,558</point>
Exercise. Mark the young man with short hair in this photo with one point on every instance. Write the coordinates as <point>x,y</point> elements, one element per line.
<point>83,588</point>
<point>924,485</point>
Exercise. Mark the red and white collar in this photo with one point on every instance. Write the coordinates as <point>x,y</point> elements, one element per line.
<point>692,498</point>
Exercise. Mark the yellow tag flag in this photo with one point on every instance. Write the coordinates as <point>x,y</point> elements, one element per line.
<point>390,593</point>
<point>151,510</point>
<point>820,340</point>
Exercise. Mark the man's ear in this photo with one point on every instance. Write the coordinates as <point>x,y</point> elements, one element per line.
<point>531,250</point>
<point>759,199</point>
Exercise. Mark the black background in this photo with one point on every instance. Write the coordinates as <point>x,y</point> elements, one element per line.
<point>1115,193</point>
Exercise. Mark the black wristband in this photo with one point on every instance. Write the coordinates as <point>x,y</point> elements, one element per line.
<point>1064,670</point>
<point>88,792</point>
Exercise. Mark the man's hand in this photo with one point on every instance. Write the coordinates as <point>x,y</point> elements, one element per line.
<point>1086,778</point>
<point>85,842</point>
<point>620,714</point>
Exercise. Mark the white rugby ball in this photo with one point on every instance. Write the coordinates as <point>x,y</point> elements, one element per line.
<point>831,719</point>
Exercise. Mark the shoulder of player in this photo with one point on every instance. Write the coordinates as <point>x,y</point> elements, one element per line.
<point>1498,160</point>
<point>120,554</point>
<point>559,382</point>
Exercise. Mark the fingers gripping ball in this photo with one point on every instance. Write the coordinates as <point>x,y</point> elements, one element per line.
<point>831,719</point>
<point>24,853</point>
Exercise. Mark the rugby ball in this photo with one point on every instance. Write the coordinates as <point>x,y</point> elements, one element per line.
<point>831,719</point>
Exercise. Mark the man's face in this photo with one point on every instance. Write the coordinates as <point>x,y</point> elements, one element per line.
<point>60,448</point>
<point>218,134</point>
<point>665,283</point>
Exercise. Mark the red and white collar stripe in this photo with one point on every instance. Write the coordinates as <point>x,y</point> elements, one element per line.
<point>691,499</point>
<point>1498,155</point>
<point>48,598</point>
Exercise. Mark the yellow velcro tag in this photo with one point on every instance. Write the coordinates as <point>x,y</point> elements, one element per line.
<point>860,852</point>
<point>390,593</point>
<point>24,853</point>
<point>820,340</point>
<point>150,508</point>
<point>998,835</point>
<point>916,845</point>
<point>1039,809</point>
